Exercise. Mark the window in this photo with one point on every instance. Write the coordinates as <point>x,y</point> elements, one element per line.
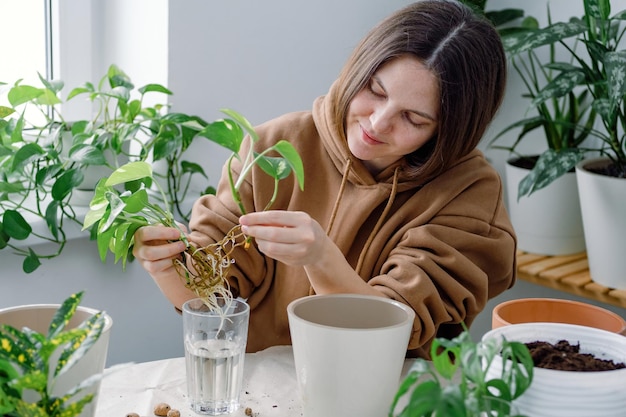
<point>23,29</point>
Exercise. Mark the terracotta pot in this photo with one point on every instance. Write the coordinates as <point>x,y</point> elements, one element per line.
<point>553,310</point>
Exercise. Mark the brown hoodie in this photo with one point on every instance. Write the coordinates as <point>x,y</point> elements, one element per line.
<point>444,246</point>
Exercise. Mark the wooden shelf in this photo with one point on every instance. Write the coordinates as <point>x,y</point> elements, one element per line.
<point>569,273</point>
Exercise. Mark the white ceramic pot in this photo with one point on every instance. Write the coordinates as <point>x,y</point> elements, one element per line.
<point>603,200</point>
<point>37,317</point>
<point>548,221</point>
<point>349,352</point>
<point>555,393</point>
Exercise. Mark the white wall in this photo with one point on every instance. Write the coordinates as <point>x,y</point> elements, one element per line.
<point>261,58</point>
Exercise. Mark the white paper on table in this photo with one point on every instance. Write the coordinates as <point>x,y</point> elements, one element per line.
<point>269,387</point>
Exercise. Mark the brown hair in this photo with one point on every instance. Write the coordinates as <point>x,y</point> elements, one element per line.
<point>465,53</point>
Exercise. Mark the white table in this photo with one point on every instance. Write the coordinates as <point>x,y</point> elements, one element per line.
<point>269,387</point>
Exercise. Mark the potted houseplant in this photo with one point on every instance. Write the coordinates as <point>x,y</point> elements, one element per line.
<point>597,60</point>
<point>542,194</point>
<point>579,370</point>
<point>46,161</point>
<point>115,215</point>
<point>51,358</point>
<point>456,382</point>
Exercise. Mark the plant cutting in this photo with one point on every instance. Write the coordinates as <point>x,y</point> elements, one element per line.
<point>457,384</point>
<point>45,160</point>
<point>28,364</point>
<point>116,215</point>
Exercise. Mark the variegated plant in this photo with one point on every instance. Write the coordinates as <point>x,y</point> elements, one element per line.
<point>582,80</point>
<point>26,364</point>
<point>456,384</point>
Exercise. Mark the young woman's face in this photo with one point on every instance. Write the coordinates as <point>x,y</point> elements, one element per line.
<point>395,114</point>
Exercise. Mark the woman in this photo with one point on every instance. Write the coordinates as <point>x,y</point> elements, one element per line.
<point>398,202</point>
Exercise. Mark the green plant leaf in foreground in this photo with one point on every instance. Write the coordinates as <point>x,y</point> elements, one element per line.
<point>455,383</point>
<point>25,364</point>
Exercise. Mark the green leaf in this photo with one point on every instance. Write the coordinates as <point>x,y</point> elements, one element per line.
<point>15,225</point>
<point>137,201</point>
<point>192,168</point>
<point>26,409</point>
<point>550,166</point>
<point>519,42</point>
<point>35,380</point>
<point>8,394</point>
<point>117,77</point>
<point>130,172</point>
<point>48,98</point>
<point>87,88</point>
<point>615,62</point>
<point>26,155</point>
<point>52,217</point>
<point>275,167</point>
<point>76,349</point>
<point>21,94</point>
<point>559,86</point>
<point>292,157</point>
<point>87,154</point>
<point>225,133</point>
<point>5,111</point>
<point>63,314</point>
<point>243,122</point>
<point>103,240</point>
<point>425,399</point>
<point>154,88</point>
<point>66,182</point>
<point>116,205</point>
<point>166,143</point>
<point>31,262</point>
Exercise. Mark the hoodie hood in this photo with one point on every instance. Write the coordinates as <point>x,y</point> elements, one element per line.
<point>335,142</point>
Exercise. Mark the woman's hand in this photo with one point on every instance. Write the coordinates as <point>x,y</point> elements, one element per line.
<point>291,237</point>
<point>156,246</point>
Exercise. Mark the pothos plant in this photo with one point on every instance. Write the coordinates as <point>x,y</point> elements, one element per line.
<point>121,205</point>
<point>45,160</point>
<point>456,384</point>
<point>26,364</point>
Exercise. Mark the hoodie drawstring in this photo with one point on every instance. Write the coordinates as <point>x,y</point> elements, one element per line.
<point>344,180</point>
<point>379,222</point>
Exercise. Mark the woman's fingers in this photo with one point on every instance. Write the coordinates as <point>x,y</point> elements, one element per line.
<point>290,237</point>
<point>154,243</point>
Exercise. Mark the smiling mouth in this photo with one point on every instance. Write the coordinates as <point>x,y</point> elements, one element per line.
<point>369,139</point>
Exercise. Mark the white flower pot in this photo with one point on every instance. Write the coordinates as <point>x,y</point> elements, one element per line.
<point>37,317</point>
<point>602,200</point>
<point>548,221</point>
<point>555,393</point>
<point>348,350</point>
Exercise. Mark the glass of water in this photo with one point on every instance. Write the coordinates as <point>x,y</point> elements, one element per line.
<point>215,347</point>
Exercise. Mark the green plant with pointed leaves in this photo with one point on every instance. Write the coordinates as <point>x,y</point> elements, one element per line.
<point>455,384</point>
<point>583,81</point>
<point>45,160</point>
<point>26,364</point>
<point>115,214</point>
